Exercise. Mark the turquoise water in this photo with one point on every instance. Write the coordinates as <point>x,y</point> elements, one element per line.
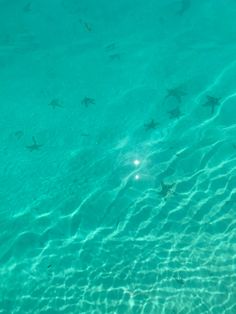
<point>118,156</point>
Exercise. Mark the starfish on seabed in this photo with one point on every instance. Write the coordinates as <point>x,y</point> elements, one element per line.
<point>27,7</point>
<point>19,134</point>
<point>212,102</point>
<point>114,56</point>
<point>185,5</point>
<point>34,146</point>
<point>87,101</point>
<point>179,279</point>
<point>86,25</point>
<point>166,189</point>
<point>110,47</point>
<point>176,93</point>
<point>152,125</point>
<point>175,113</point>
<point>55,103</point>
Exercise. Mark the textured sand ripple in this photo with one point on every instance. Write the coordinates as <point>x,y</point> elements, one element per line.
<point>85,229</point>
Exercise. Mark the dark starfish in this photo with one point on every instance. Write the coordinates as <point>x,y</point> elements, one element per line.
<point>27,7</point>
<point>176,93</point>
<point>175,113</point>
<point>19,134</point>
<point>34,146</point>
<point>86,25</point>
<point>185,5</point>
<point>230,202</point>
<point>179,280</point>
<point>115,56</point>
<point>166,189</point>
<point>111,47</point>
<point>84,134</point>
<point>212,102</point>
<point>87,101</point>
<point>152,125</point>
<point>55,103</point>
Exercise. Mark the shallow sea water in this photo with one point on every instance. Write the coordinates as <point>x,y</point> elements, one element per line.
<point>118,156</point>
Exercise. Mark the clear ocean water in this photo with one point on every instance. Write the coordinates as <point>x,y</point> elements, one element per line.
<point>118,156</point>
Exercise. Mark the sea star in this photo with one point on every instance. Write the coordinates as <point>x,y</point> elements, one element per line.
<point>179,279</point>
<point>55,103</point>
<point>115,56</point>
<point>110,47</point>
<point>212,102</point>
<point>176,92</point>
<point>87,101</point>
<point>185,5</point>
<point>166,189</point>
<point>34,146</point>
<point>19,134</point>
<point>27,7</point>
<point>86,25</point>
<point>175,113</point>
<point>152,125</point>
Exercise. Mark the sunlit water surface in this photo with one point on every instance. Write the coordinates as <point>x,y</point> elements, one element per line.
<point>117,157</point>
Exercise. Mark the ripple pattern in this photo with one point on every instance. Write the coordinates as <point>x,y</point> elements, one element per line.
<point>128,205</point>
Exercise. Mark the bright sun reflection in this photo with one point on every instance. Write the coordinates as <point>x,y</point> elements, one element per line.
<point>137,177</point>
<point>136,162</point>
